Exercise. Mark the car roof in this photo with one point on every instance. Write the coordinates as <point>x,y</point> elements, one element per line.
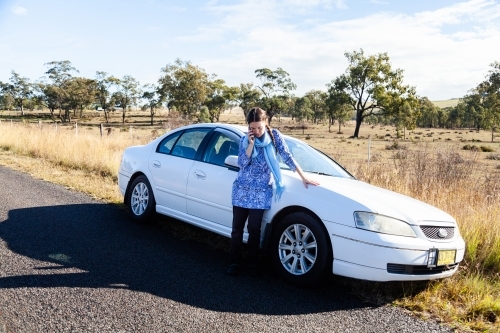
<point>239,128</point>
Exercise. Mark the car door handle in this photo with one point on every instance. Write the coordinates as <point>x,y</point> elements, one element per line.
<point>156,164</point>
<point>199,174</point>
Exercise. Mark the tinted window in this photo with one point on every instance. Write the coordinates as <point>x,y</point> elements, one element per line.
<point>188,143</point>
<point>220,147</point>
<point>165,146</point>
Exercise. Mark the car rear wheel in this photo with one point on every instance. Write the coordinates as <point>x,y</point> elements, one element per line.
<point>141,201</point>
<point>300,249</point>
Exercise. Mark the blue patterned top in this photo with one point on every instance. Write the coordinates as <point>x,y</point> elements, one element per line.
<point>252,187</point>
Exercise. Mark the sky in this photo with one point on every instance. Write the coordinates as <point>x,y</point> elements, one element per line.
<point>444,47</point>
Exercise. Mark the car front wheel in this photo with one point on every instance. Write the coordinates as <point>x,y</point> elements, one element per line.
<point>300,249</point>
<point>141,201</point>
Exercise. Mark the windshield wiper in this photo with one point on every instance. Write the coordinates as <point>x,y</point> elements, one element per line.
<point>320,173</point>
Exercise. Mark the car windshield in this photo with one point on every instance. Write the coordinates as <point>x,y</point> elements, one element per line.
<point>312,160</point>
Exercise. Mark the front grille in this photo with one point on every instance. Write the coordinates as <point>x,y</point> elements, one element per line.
<point>418,269</point>
<point>432,232</point>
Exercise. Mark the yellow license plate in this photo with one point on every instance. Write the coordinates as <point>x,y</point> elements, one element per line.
<point>446,257</point>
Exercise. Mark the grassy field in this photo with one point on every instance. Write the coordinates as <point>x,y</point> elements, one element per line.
<point>430,165</point>
<point>446,103</point>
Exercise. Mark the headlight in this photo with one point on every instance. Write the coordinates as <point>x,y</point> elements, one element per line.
<point>383,224</point>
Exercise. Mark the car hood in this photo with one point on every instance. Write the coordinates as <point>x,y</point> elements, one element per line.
<point>385,202</point>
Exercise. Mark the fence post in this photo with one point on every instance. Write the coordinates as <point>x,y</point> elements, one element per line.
<point>11,122</point>
<point>100,128</point>
<point>76,128</point>
<point>130,132</point>
<point>39,123</point>
<point>369,145</point>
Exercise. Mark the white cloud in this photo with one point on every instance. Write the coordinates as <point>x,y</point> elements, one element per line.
<point>378,2</point>
<point>18,10</point>
<point>442,64</point>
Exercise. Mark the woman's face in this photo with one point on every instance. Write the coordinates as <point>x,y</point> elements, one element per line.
<point>257,128</point>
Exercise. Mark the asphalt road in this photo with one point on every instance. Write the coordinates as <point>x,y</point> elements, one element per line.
<point>72,264</point>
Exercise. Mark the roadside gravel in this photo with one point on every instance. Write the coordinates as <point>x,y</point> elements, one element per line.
<point>72,264</point>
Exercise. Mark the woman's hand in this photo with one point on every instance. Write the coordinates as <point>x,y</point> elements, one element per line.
<point>251,138</point>
<point>306,181</point>
<point>251,142</point>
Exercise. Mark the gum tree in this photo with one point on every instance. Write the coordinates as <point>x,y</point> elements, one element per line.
<point>248,97</point>
<point>276,87</point>
<point>127,94</point>
<point>54,94</point>
<point>104,84</point>
<point>372,84</point>
<point>184,86</point>
<point>152,96</point>
<point>338,106</point>
<point>20,89</point>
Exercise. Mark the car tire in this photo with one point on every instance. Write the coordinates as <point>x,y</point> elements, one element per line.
<point>140,200</point>
<point>300,249</point>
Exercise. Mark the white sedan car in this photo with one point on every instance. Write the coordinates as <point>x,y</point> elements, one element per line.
<point>345,226</point>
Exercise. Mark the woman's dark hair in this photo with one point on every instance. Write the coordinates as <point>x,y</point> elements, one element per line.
<point>258,114</point>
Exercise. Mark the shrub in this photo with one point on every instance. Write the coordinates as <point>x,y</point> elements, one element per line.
<point>470,147</point>
<point>486,149</point>
<point>495,157</point>
<point>395,146</point>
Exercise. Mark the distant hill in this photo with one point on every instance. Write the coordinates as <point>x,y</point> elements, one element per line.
<point>446,103</point>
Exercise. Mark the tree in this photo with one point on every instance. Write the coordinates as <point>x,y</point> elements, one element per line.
<point>490,93</point>
<point>339,106</point>
<point>402,109</point>
<point>49,96</point>
<point>153,98</point>
<point>54,94</point>
<point>372,84</point>
<point>60,71</point>
<point>429,113</point>
<point>81,93</point>
<point>184,86</point>
<point>6,100</point>
<point>303,110</point>
<point>127,94</point>
<point>219,98</point>
<point>276,87</point>
<point>20,89</point>
<point>248,97</point>
<point>104,83</point>
<point>404,114</point>
<point>318,106</point>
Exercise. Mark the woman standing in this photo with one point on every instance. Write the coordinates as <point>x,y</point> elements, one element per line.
<point>252,189</point>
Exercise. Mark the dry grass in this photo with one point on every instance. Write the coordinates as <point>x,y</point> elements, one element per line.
<point>446,103</point>
<point>430,166</point>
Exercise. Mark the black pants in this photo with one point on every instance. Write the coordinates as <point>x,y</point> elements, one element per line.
<point>240,216</point>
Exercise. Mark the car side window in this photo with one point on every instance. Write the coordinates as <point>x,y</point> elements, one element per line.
<point>165,146</point>
<point>189,142</point>
<point>220,147</point>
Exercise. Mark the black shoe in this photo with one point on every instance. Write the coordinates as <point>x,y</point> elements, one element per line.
<point>253,270</point>
<point>233,270</point>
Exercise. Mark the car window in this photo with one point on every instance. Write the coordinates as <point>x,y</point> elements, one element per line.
<point>220,147</point>
<point>311,160</point>
<point>165,146</point>
<point>188,143</point>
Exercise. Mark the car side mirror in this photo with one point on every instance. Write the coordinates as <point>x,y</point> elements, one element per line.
<point>232,162</point>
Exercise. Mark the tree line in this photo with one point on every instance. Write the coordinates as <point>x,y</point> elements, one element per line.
<point>369,90</point>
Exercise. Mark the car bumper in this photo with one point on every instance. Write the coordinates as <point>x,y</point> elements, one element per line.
<point>123,179</point>
<point>378,257</point>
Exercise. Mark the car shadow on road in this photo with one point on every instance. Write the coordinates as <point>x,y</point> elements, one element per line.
<point>112,252</point>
